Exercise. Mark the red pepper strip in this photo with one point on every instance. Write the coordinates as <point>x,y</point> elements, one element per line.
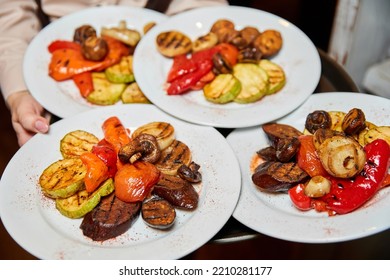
<point>206,54</point>
<point>181,66</point>
<point>307,157</point>
<point>97,171</point>
<point>106,152</point>
<point>203,81</point>
<point>299,199</point>
<point>65,63</point>
<point>84,83</point>
<point>62,44</point>
<point>348,195</point>
<point>184,83</point>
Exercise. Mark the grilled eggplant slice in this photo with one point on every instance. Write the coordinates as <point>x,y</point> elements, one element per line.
<point>179,192</point>
<point>158,213</point>
<point>277,176</point>
<point>277,131</point>
<point>111,218</point>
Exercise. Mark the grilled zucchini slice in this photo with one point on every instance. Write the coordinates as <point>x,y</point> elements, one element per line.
<point>105,92</point>
<point>223,89</point>
<point>79,204</point>
<point>276,75</point>
<point>63,178</point>
<point>121,72</point>
<point>133,94</point>
<point>77,142</point>
<point>254,82</point>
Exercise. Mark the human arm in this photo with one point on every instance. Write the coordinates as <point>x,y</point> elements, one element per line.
<point>18,25</point>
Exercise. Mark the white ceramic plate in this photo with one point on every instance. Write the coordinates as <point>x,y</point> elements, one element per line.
<point>298,57</point>
<point>34,223</point>
<point>63,98</point>
<point>274,214</point>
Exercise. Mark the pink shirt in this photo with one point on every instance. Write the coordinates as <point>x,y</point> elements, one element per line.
<point>19,24</point>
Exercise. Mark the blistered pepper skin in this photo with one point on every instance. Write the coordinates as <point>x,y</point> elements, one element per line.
<point>347,195</point>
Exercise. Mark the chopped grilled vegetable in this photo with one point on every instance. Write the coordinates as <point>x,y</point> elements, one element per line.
<point>254,82</point>
<point>205,42</point>
<point>63,178</point>
<point>163,131</point>
<point>158,213</point>
<point>134,182</point>
<point>105,92</point>
<point>79,204</point>
<point>121,72</point>
<point>223,89</point>
<point>128,36</point>
<point>174,156</point>
<point>77,142</point>
<point>133,94</point>
<point>276,75</point>
<point>341,156</point>
<point>380,132</point>
<point>173,43</point>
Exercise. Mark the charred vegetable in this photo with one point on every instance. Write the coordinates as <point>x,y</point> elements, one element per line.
<point>318,119</point>
<point>158,213</point>
<point>83,32</point>
<point>143,147</point>
<point>94,49</point>
<point>342,157</point>
<point>354,121</point>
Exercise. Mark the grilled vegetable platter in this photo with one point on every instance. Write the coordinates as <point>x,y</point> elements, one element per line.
<point>84,59</point>
<point>119,183</point>
<point>319,174</point>
<point>221,66</point>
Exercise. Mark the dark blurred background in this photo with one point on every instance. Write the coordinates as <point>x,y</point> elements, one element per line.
<point>315,18</point>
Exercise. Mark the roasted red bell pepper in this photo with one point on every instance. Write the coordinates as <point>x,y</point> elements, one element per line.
<point>67,62</point>
<point>182,65</point>
<point>84,83</point>
<point>106,152</point>
<point>307,157</point>
<point>348,195</point>
<point>97,171</point>
<point>184,83</point>
<point>62,44</point>
<point>299,199</point>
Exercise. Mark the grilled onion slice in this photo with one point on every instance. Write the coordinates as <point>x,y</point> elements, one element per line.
<point>342,156</point>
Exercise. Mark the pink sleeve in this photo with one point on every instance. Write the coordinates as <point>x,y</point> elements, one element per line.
<point>18,25</point>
